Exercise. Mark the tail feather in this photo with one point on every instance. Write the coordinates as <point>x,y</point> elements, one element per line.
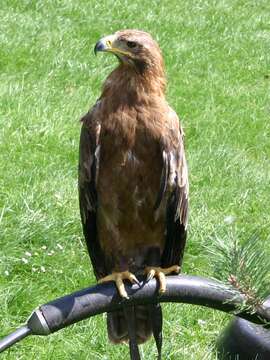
<point>118,329</point>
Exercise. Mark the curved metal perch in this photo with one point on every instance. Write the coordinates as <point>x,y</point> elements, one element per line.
<point>88,302</point>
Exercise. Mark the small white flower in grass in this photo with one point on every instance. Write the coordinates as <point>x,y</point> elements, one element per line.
<point>27,253</point>
<point>6,272</point>
<point>230,219</point>
<point>34,269</point>
<point>44,247</point>
<point>24,260</point>
<point>42,268</point>
<point>58,196</point>
<point>36,254</point>
<point>60,246</point>
<point>50,253</point>
<point>201,322</point>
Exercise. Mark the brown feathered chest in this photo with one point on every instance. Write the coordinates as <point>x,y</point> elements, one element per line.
<point>128,181</point>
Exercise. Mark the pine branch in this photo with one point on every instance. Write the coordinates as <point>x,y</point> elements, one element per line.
<point>243,263</point>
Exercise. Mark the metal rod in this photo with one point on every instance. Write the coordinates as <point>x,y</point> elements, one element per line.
<point>88,302</point>
<point>16,336</point>
<point>187,289</point>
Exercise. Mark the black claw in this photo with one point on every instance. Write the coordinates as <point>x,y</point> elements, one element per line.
<point>136,281</point>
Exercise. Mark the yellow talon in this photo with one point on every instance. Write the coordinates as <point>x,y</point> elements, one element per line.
<point>118,278</point>
<point>159,273</point>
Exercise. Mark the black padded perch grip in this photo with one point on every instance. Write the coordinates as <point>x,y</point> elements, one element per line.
<point>88,302</point>
<point>182,289</point>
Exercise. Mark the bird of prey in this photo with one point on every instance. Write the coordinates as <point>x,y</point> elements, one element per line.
<point>133,180</point>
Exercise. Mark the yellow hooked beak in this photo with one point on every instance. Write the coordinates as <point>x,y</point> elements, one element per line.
<point>110,44</point>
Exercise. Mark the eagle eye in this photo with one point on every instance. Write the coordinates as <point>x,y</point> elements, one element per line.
<point>131,44</point>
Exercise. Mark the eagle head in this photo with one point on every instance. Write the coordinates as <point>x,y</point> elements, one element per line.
<point>134,48</point>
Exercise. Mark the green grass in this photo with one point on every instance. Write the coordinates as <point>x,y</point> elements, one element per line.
<point>217,62</point>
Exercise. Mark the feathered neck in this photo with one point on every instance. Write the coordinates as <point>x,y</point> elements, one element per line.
<point>128,84</point>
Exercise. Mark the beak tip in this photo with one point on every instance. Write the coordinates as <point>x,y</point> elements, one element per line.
<point>100,46</point>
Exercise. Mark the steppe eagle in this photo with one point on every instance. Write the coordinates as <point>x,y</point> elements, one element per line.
<point>133,180</point>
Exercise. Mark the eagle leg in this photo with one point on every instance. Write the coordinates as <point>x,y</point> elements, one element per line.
<point>159,273</point>
<point>118,278</point>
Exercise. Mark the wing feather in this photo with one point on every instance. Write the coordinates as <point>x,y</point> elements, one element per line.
<point>88,174</point>
<point>163,179</point>
<point>177,200</point>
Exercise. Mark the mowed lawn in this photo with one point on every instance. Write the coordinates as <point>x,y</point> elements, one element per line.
<point>217,61</point>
